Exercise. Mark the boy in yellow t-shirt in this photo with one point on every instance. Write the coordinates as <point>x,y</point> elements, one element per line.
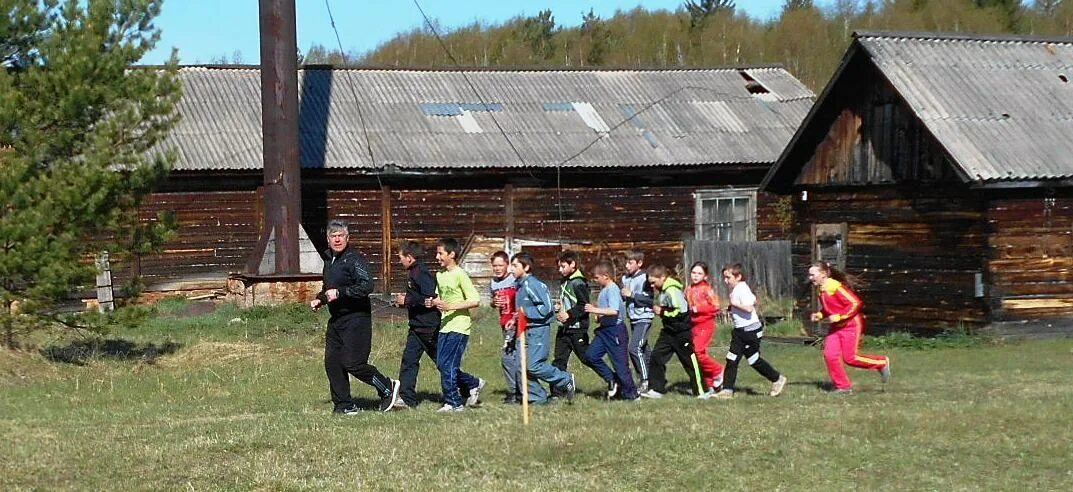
<point>455,296</point>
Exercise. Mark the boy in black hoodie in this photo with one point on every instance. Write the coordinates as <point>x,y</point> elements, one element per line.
<point>573,334</point>
<point>424,321</point>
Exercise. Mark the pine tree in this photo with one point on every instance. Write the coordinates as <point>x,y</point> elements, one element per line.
<point>699,10</point>
<point>594,32</point>
<point>81,137</point>
<point>538,31</point>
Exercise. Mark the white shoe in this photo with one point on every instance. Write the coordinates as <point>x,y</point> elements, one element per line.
<point>400,405</point>
<point>707,394</point>
<point>718,383</point>
<point>653,394</point>
<point>724,394</point>
<point>475,394</point>
<point>776,387</point>
<point>612,389</point>
<point>446,408</point>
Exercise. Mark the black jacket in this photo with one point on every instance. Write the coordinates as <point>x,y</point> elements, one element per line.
<point>574,296</point>
<point>349,272</point>
<point>421,285</point>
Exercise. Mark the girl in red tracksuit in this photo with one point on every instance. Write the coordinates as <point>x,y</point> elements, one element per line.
<point>842,308</point>
<point>703,306</point>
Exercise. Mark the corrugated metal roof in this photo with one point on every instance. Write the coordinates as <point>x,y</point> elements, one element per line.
<point>1002,106</point>
<point>433,119</point>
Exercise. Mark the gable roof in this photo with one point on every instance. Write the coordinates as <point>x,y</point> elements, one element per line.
<point>1001,106</point>
<point>424,119</point>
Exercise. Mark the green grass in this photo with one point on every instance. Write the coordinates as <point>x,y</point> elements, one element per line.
<point>239,401</point>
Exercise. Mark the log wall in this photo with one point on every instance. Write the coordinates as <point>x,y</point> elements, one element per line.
<point>918,249</point>
<point>1031,263</point>
<point>219,230</point>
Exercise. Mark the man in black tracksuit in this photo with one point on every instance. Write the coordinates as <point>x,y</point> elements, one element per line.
<point>573,334</point>
<point>348,340</point>
<point>424,321</point>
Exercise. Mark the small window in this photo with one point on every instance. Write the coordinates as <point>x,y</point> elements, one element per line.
<point>726,215</point>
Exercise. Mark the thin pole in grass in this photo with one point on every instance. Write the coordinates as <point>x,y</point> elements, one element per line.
<point>524,381</point>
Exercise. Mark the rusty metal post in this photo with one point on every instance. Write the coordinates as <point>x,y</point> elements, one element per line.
<point>279,118</point>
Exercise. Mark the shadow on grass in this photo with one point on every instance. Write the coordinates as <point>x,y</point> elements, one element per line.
<point>424,398</point>
<point>80,352</point>
<point>821,385</point>
<point>764,389</point>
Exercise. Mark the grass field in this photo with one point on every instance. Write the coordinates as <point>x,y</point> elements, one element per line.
<point>237,400</point>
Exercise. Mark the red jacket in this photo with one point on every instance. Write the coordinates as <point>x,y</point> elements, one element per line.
<point>839,304</point>
<point>703,303</point>
<point>505,287</point>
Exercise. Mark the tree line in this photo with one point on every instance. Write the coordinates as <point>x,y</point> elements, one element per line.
<point>807,38</point>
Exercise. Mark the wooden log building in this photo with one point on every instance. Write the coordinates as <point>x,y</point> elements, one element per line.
<point>599,160</point>
<point>938,168</point>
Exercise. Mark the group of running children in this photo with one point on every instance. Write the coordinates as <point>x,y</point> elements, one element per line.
<point>688,316</point>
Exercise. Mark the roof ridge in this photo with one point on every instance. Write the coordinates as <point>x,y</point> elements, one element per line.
<point>504,69</point>
<point>961,36</point>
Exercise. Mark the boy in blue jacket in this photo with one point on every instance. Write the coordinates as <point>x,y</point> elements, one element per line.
<point>534,302</point>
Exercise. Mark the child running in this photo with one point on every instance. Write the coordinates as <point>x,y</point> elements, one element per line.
<point>503,292</point>
<point>610,336</point>
<point>842,307</point>
<point>703,306</point>
<point>456,295</point>
<point>637,293</point>
<point>573,334</point>
<point>534,302</point>
<point>424,321</point>
<point>676,337</point>
<point>745,338</point>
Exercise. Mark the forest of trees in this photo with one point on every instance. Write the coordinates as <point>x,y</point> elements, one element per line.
<point>808,37</point>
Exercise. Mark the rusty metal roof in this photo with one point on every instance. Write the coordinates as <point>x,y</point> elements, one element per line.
<point>1001,106</point>
<point>424,119</point>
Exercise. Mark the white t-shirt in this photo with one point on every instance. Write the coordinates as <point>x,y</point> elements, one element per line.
<point>743,295</point>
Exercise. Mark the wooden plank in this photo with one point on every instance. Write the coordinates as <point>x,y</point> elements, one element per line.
<point>508,216</point>
<point>385,239</point>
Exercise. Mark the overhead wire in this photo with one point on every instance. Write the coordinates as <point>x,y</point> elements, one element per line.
<point>514,148</point>
<point>357,100</point>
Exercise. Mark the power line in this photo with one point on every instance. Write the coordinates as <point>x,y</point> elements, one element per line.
<point>353,92</point>
<point>472,87</point>
<point>506,137</point>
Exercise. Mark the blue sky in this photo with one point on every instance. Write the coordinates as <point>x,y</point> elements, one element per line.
<point>207,29</point>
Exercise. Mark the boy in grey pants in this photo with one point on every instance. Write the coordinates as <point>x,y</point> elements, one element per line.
<point>637,294</point>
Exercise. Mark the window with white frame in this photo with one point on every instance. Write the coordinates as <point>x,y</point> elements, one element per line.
<point>726,215</point>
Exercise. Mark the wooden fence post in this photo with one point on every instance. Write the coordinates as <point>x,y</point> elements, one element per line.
<point>105,300</point>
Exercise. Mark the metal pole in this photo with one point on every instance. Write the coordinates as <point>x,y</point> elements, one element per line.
<point>279,118</point>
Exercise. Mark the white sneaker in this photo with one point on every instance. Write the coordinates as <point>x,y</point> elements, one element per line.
<point>776,387</point>
<point>612,389</point>
<point>653,394</point>
<point>707,394</point>
<point>718,383</point>
<point>400,405</point>
<point>474,397</point>
<point>884,372</point>
<point>446,408</point>
<point>725,394</point>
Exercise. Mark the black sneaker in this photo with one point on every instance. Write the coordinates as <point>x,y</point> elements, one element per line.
<point>351,409</point>
<point>388,401</point>
<point>612,390</point>
<point>512,399</point>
